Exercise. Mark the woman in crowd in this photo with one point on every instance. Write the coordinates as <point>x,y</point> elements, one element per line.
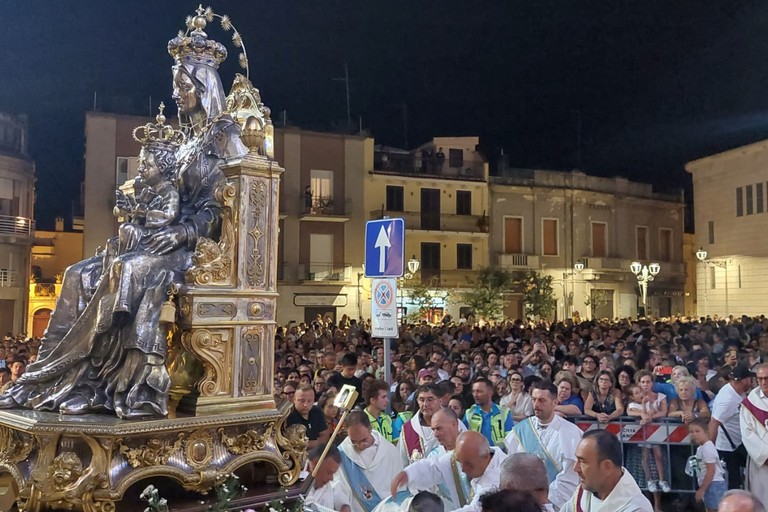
<point>400,398</point>
<point>625,376</point>
<point>518,401</point>
<point>330,411</point>
<point>569,404</point>
<point>587,374</point>
<point>604,402</point>
<point>685,405</point>
<point>457,404</point>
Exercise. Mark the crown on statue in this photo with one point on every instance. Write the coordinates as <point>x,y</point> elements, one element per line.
<point>159,134</point>
<point>193,46</point>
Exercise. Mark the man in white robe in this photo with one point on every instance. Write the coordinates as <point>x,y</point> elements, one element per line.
<point>368,464</point>
<point>754,434</point>
<point>435,473</point>
<point>476,459</point>
<point>552,438</point>
<point>320,495</point>
<point>605,485</point>
<point>417,439</point>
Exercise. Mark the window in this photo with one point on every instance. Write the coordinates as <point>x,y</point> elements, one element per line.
<point>711,231</point>
<point>321,183</point>
<point>430,261</point>
<point>738,268</point>
<point>320,256</point>
<point>599,242</point>
<point>712,278</point>
<point>394,199</point>
<point>513,235</point>
<point>463,202</point>
<point>455,158</point>
<point>549,241</point>
<point>750,203</point>
<point>759,194</point>
<point>739,202</point>
<point>641,244</point>
<point>464,256</point>
<point>665,244</point>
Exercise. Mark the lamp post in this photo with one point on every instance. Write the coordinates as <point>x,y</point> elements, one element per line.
<point>413,267</point>
<point>701,255</point>
<point>577,268</point>
<point>644,275</point>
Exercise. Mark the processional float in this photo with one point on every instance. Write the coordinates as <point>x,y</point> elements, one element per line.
<point>204,340</point>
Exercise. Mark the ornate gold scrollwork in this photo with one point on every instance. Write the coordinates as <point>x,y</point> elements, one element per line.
<point>14,446</point>
<point>249,441</point>
<point>212,262</point>
<point>293,445</point>
<point>155,452</point>
<point>214,351</point>
<point>63,482</point>
<point>257,200</point>
<point>249,376</point>
<point>198,448</point>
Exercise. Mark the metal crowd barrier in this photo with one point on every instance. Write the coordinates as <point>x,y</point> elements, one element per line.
<point>670,434</point>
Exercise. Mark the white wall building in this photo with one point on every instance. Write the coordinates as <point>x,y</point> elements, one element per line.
<point>729,191</point>
<point>17,227</point>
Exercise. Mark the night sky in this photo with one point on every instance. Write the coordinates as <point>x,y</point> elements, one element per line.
<point>654,83</point>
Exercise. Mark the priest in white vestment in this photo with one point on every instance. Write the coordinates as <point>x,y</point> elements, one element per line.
<point>754,434</point>
<point>320,495</point>
<point>605,485</point>
<point>368,464</point>
<point>552,438</point>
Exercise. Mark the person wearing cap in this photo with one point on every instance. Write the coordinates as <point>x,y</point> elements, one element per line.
<point>724,428</point>
<point>754,434</point>
<point>425,377</point>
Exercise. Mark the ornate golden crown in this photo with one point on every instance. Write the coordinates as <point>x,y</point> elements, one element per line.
<point>193,45</point>
<point>158,133</point>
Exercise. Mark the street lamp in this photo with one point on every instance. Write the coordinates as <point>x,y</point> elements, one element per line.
<point>577,268</point>
<point>413,267</point>
<point>701,255</point>
<point>644,275</point>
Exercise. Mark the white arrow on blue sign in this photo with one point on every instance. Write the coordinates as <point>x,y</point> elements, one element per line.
<point>384,248</point>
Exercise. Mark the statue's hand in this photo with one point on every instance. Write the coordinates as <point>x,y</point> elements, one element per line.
<point>168,239</point>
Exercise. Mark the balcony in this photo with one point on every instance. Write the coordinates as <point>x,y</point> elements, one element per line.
<point>441,278</point>
<point>428,221</point>
<point>412,165</point>
<point>44,290</point>
<point>613,264</point>
<point>16,226</point>
<point>518,261</point>
<point>326,209</point>
<point>324,273</point>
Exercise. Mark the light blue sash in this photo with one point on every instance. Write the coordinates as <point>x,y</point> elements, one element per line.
<point>531,442</point>
<point>362,489</point>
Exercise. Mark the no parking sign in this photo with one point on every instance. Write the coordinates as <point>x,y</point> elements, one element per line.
<point>384,308</point>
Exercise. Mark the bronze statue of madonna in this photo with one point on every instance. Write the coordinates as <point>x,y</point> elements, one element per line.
<point>105,348</point>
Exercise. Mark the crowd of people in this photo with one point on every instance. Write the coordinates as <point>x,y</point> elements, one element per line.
<point>16,353</point>
<point>463,399</point>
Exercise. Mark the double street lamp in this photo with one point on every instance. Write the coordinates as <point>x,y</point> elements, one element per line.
<point>578,267</point>
<point>644,274</point>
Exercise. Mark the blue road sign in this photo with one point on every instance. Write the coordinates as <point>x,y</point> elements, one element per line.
<point>384,248</point>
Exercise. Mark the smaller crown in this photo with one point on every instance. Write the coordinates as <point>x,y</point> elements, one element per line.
<point>195,47</point>
<point>158,133</point>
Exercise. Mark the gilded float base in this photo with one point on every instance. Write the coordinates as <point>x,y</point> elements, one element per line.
<point>86,463</point>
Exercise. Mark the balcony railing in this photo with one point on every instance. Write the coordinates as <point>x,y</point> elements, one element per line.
<point>436,221</point>
<point>518,261</point>
<point>45,290</point>
<point>9,278</point>
<point>607,264</point>
<point>20,226</point>
<point>324,272</point>
<point>399,163</point>
<point>322,206</point>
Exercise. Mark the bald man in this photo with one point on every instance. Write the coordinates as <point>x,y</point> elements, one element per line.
<point>737,500</point>
<point>439,472</point>
<point>526,472</point>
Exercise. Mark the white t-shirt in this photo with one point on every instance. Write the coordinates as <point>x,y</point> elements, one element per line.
<point>707,454</point>
<point>725,409</point>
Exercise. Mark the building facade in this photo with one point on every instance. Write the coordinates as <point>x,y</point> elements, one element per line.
<point>52,253</point>
<point>548,221</point>
<point>729,191</point>
<point>17,227</point>
<point>440,189</point>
